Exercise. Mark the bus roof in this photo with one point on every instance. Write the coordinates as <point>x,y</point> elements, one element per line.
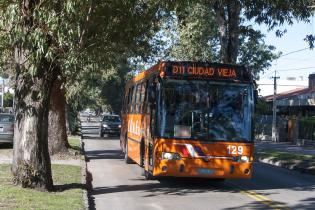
<point>196,70</point>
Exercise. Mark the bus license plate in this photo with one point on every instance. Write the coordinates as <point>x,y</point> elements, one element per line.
<point>1,129</point>
<point>205,171</point>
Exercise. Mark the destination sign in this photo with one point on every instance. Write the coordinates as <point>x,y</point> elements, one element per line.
<point>206,70</point>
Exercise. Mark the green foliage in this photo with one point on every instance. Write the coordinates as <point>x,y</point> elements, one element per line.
<point>262,107</point>
<point>286,157</point>
<point>275,13</point>
<point>8,100</point>
<point>117,31</point>
<point>193,30</point>
<point>47,31</point>
<point>307,128</point>
<point>253,51</point>
<point>195,37</point>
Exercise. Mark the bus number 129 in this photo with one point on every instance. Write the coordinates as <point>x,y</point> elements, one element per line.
<point>235,150</point>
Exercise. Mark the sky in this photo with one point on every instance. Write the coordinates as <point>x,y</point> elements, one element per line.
<point>295,64</point>
<point>299,63</point>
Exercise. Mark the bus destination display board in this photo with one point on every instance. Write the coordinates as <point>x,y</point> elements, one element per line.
<point>206,71</point>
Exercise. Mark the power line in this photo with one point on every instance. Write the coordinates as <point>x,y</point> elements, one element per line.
<point>311,67</point>
<point>294,52</point>
<point>286,85</point>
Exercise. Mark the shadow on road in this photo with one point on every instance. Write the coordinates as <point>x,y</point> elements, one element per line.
<point>303,204</point>
<point>97,137</point>
<point>104,154</point>
<point>184,186</point>
<point>189,186</point>
<point>167,186</point>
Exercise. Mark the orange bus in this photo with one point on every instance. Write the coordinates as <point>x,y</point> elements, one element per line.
<point>190,119</point>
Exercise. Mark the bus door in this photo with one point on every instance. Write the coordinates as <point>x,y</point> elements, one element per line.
<point>150,121</point>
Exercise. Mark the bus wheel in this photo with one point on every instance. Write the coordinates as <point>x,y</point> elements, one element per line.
<point>127,158</point>
<point>147,175</point>
<point>219,179</point>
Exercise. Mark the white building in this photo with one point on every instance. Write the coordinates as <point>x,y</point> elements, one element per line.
<point>265,86</point>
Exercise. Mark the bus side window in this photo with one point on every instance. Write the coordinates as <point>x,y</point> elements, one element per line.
<point>128,100</point>
<point>138,99</point>
<point>133,100</point>
<point>142,100</point>
<point>146,108</point>
<point>125,102</point>
<point>150,95</point>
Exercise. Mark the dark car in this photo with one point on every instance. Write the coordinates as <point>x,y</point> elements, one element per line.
<point>110,125</point>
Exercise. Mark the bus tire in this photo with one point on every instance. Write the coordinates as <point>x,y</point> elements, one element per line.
<point>219,179</point>
<point>147,175</point>
<point>142,154</point>
<point>127,158</point>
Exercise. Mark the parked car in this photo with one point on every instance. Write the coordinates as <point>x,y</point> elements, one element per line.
<point>110,125</point>
<point>6,128</point>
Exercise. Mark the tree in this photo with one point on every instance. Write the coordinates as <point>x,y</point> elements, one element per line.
<point>230,13</point>
<point>220,30</point>
<point>193,33</point>
<point>52,39</point>
<point>197,37</point>
<point>57,131</point>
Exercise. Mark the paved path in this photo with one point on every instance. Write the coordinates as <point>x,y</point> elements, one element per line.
<point>6,158</point>
<point>118,186</point>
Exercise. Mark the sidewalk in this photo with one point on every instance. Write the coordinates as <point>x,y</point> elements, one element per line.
<point>6,158</point>
<point>286,155</point>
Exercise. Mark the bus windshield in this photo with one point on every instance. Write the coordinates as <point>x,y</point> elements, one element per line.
<point>205,110</point>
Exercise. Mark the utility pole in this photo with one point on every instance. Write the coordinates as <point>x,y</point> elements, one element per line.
<point>274,109</point>
<point>2,107</point>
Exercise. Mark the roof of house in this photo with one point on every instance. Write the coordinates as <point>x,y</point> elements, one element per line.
<point>290,94</point>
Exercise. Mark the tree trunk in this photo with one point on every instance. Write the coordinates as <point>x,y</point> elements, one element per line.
<point>31,162</point>
<point>57,131</point>
<point>228,19</point>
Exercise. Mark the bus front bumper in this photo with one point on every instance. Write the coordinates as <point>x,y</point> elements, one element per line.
<point>202,168</point>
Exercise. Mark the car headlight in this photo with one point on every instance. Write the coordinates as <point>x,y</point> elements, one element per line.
<point>170,156</point>
<point>105,126</point>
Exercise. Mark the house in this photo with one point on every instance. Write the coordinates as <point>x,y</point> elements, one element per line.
<point>299,102</point>
<point>297,111</point>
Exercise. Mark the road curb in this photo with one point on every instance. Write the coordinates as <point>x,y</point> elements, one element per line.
<point>84,176</point>
<point>290,166</point>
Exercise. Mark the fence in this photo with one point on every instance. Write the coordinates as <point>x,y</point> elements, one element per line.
<point>300,131</point>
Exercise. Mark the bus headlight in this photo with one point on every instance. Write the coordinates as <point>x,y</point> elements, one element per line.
<point>170,156</point>
<point>241,159</point>
<point>244,159</point>
<point>119,126</point>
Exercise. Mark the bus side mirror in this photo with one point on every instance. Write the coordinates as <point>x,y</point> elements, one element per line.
<point>255,96</point>
<point>152,96</point>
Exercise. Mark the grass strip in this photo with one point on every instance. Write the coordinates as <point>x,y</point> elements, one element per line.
<point>67,195</point>
<point>74,142</point>
<point>284,156</point>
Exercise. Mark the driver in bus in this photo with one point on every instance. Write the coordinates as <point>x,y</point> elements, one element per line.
<point>227,111</point>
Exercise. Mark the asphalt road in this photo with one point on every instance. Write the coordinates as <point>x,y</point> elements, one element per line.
<point>117,185</point>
